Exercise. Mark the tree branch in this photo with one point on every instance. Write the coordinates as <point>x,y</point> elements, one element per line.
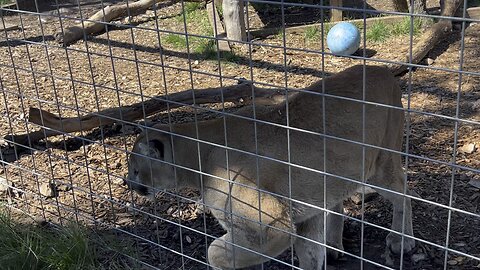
<point>96,23</point>
<point>55,125</point>
<point>431,37</point>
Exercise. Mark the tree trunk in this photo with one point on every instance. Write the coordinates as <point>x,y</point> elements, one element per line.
<point>419,7</point>
<point>216,22</point>
<point>336,14</point>
<point>233,17</point>
<point>400,5</point>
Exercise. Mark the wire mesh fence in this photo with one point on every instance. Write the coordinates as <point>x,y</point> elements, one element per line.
<point>198,151</point>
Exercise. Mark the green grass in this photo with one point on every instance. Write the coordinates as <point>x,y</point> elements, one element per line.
<point>403,28</point>
<point>69,247</point>
<point>312,33</point>
<point>197,21</point>
<point>380,31</point>
<point>193,6</point>
<point>196,16</point>
<point>3,2</point>
<point>177,41</point>
<point>377,32</point>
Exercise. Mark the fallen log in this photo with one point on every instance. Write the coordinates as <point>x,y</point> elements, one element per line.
<point>431,37</point>
<point>96,23</point>
<point>55,125</point>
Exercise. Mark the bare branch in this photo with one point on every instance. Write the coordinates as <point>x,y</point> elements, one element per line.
<point>55,125</point>
<point>95,23</point>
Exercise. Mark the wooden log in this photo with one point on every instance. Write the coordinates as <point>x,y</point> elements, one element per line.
<point>233,17</point>
<point>337,14</point>
<point>54,125</point>
<point>430,37</point>
<point>96,23</point>
<point>216,23</point>
<point>473,13</point>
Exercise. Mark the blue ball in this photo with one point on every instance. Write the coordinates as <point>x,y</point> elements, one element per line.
<point>343,38</point>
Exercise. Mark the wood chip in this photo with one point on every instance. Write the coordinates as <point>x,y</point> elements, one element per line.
<point>48,190</point>
<point>452,262</point>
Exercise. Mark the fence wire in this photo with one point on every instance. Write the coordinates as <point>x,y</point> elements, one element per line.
<point>82,176</point>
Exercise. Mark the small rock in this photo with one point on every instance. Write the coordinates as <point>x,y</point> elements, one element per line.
<point>418,257</point>
<point>196,62</point>
<point>3,185</point>
<point>430,61</point>
<point>467,148</point>
<point>48,189</point>
<point>475,183</point>
<point>369,194</point>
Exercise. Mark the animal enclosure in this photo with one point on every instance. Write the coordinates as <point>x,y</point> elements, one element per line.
<point>71,114</point>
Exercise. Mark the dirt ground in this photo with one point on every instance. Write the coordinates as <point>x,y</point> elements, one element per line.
<point>120,66</point>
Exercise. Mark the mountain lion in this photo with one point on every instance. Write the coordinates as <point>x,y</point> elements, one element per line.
<point>270,179</point>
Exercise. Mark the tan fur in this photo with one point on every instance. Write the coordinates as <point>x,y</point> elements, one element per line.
<point>239,206</point>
